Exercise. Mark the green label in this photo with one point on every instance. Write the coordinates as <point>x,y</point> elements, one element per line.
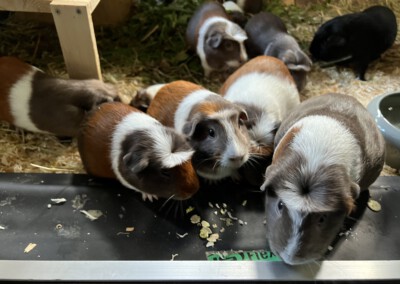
<point>255,255</point>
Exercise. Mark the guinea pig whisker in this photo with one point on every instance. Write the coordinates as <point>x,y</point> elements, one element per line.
<point>166,201</point>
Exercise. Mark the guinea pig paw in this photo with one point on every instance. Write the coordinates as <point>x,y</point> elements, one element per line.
<point>150,197</point>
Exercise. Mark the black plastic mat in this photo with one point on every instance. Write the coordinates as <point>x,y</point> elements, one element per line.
<point>131,229</point>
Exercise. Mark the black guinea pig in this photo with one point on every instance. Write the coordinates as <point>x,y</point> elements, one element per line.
<point>359,37</point>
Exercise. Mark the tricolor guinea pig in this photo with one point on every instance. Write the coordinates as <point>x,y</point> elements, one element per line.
<point>218,41</point>
<point>359,38</point>
<point>247,6</point>
<point>264,87</point>
<point>119,141</point>
<point>267,35</point>
<point>35,101</point>
<point>327,150</point>
<point>214,127</point>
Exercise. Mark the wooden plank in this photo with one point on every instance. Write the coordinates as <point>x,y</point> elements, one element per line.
<point>41,6</point>
<point>75,30</point>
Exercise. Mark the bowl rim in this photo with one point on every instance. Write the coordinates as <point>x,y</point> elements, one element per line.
<point>390,132</point>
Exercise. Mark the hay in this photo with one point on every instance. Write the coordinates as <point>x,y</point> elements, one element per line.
<point>150,48</point>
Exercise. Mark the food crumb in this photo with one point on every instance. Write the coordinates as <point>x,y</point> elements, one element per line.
<point>209,244</point>
<point>374,205</point>
<point>2,227</point>
<point>49,206</point>
<point>205,224</point>
<point>210,205</point>
<point>58,200</point>
<point>330,248</point>
<point>189,209</point>
<point>129,229</point>
<point>92,214</point>
<point>181,236</point>
<point>214,226</point>
<point>195,219</point>
<point>173,256</point>
<point>29,247</point>
<point>244,203</point>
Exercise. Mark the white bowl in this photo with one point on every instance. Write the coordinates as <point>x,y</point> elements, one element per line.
<point>386,111</point>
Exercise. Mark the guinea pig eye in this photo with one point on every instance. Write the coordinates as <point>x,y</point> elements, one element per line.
<point>228,45</point>
<point>322,218</point>
<point>165,173</point>
<point>242,118</point>
<point>211,132</point>
<point>280,205</point>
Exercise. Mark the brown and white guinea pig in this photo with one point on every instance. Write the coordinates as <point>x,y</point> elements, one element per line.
<point>217,41</point>
<point>119,141</point>
<point>35,101</point>
<point>267,34</point>
<point>358,37</point>
<point>327,150</point>
<point>264,87</point>
<point>214,127</point>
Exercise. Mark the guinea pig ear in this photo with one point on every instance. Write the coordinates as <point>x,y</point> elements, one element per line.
<point>267,185</point>
<point>135,162</point>
<point>301,63</point>
<point>271,50</point>
<point>190,126</point>
<point>214,40</point>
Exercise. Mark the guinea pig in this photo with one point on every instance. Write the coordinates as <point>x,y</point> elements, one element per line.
<point>327,150</point>
<point>119,141</point>
<point>247,6</point>
<point>235,13</point>
<point>35,101</point>
<point>264,87</point>
<point>358,37</point>
<point>267,35</point>
<point>217,41</point>
<point>214,127</point>
<point>145,96</point>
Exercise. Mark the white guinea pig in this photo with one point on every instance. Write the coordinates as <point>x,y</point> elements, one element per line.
<point>119,141</point>
<point>214,126</point>
<point>327,150</point>
<point>218,42</point>
<point>267,35</point>
<point>264,87</point>
<point>35,101</point>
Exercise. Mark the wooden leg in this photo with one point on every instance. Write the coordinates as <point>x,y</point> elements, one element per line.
<point>73,20</point>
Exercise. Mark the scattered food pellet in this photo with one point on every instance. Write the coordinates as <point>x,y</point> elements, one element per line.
<point>181,236</point>
<point>244,203</point>
<point>195,219</point>
<point>204,233</point>
<point>209,244</point>
<point>214,226</point>
<point>241,222</point>
<point>374,205</point>
<point>92,214</point>
<point>2,228</point>
<point>189,209</point>
<point>58,226</point>
<point>49,206</point>
<point>222,230</point>
<point>29,247</point>
<point>58,200</point>
<point>129,229</point>
<point>210,204</point>
<point>205,224</point>
<point>216,212</point>
<point>173,256</point>
<point>213,238</point>
<point>330,248</point>
<point>230,216</point>
<point>224,205</point>
<point>217,205</point>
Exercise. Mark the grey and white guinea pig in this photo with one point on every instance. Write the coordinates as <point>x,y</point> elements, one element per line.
<point>267,35</point>
<point>119,141</point>
<point>358,37</point>
<point>35,101</point>
<point>218,41</point>
<point>214,127</point>
<point>268,93</point>
<point>327,150</point>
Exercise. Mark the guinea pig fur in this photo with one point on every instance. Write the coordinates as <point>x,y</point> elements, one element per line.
<point>267,35</point>
<point>214,127</point>
<point>119,141</point>
<point>37,102</point>
<point>327,150</point>
<point>218,42</point>
<point>359,37</point>
<point>145,96</point>
<point>264,87</point>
